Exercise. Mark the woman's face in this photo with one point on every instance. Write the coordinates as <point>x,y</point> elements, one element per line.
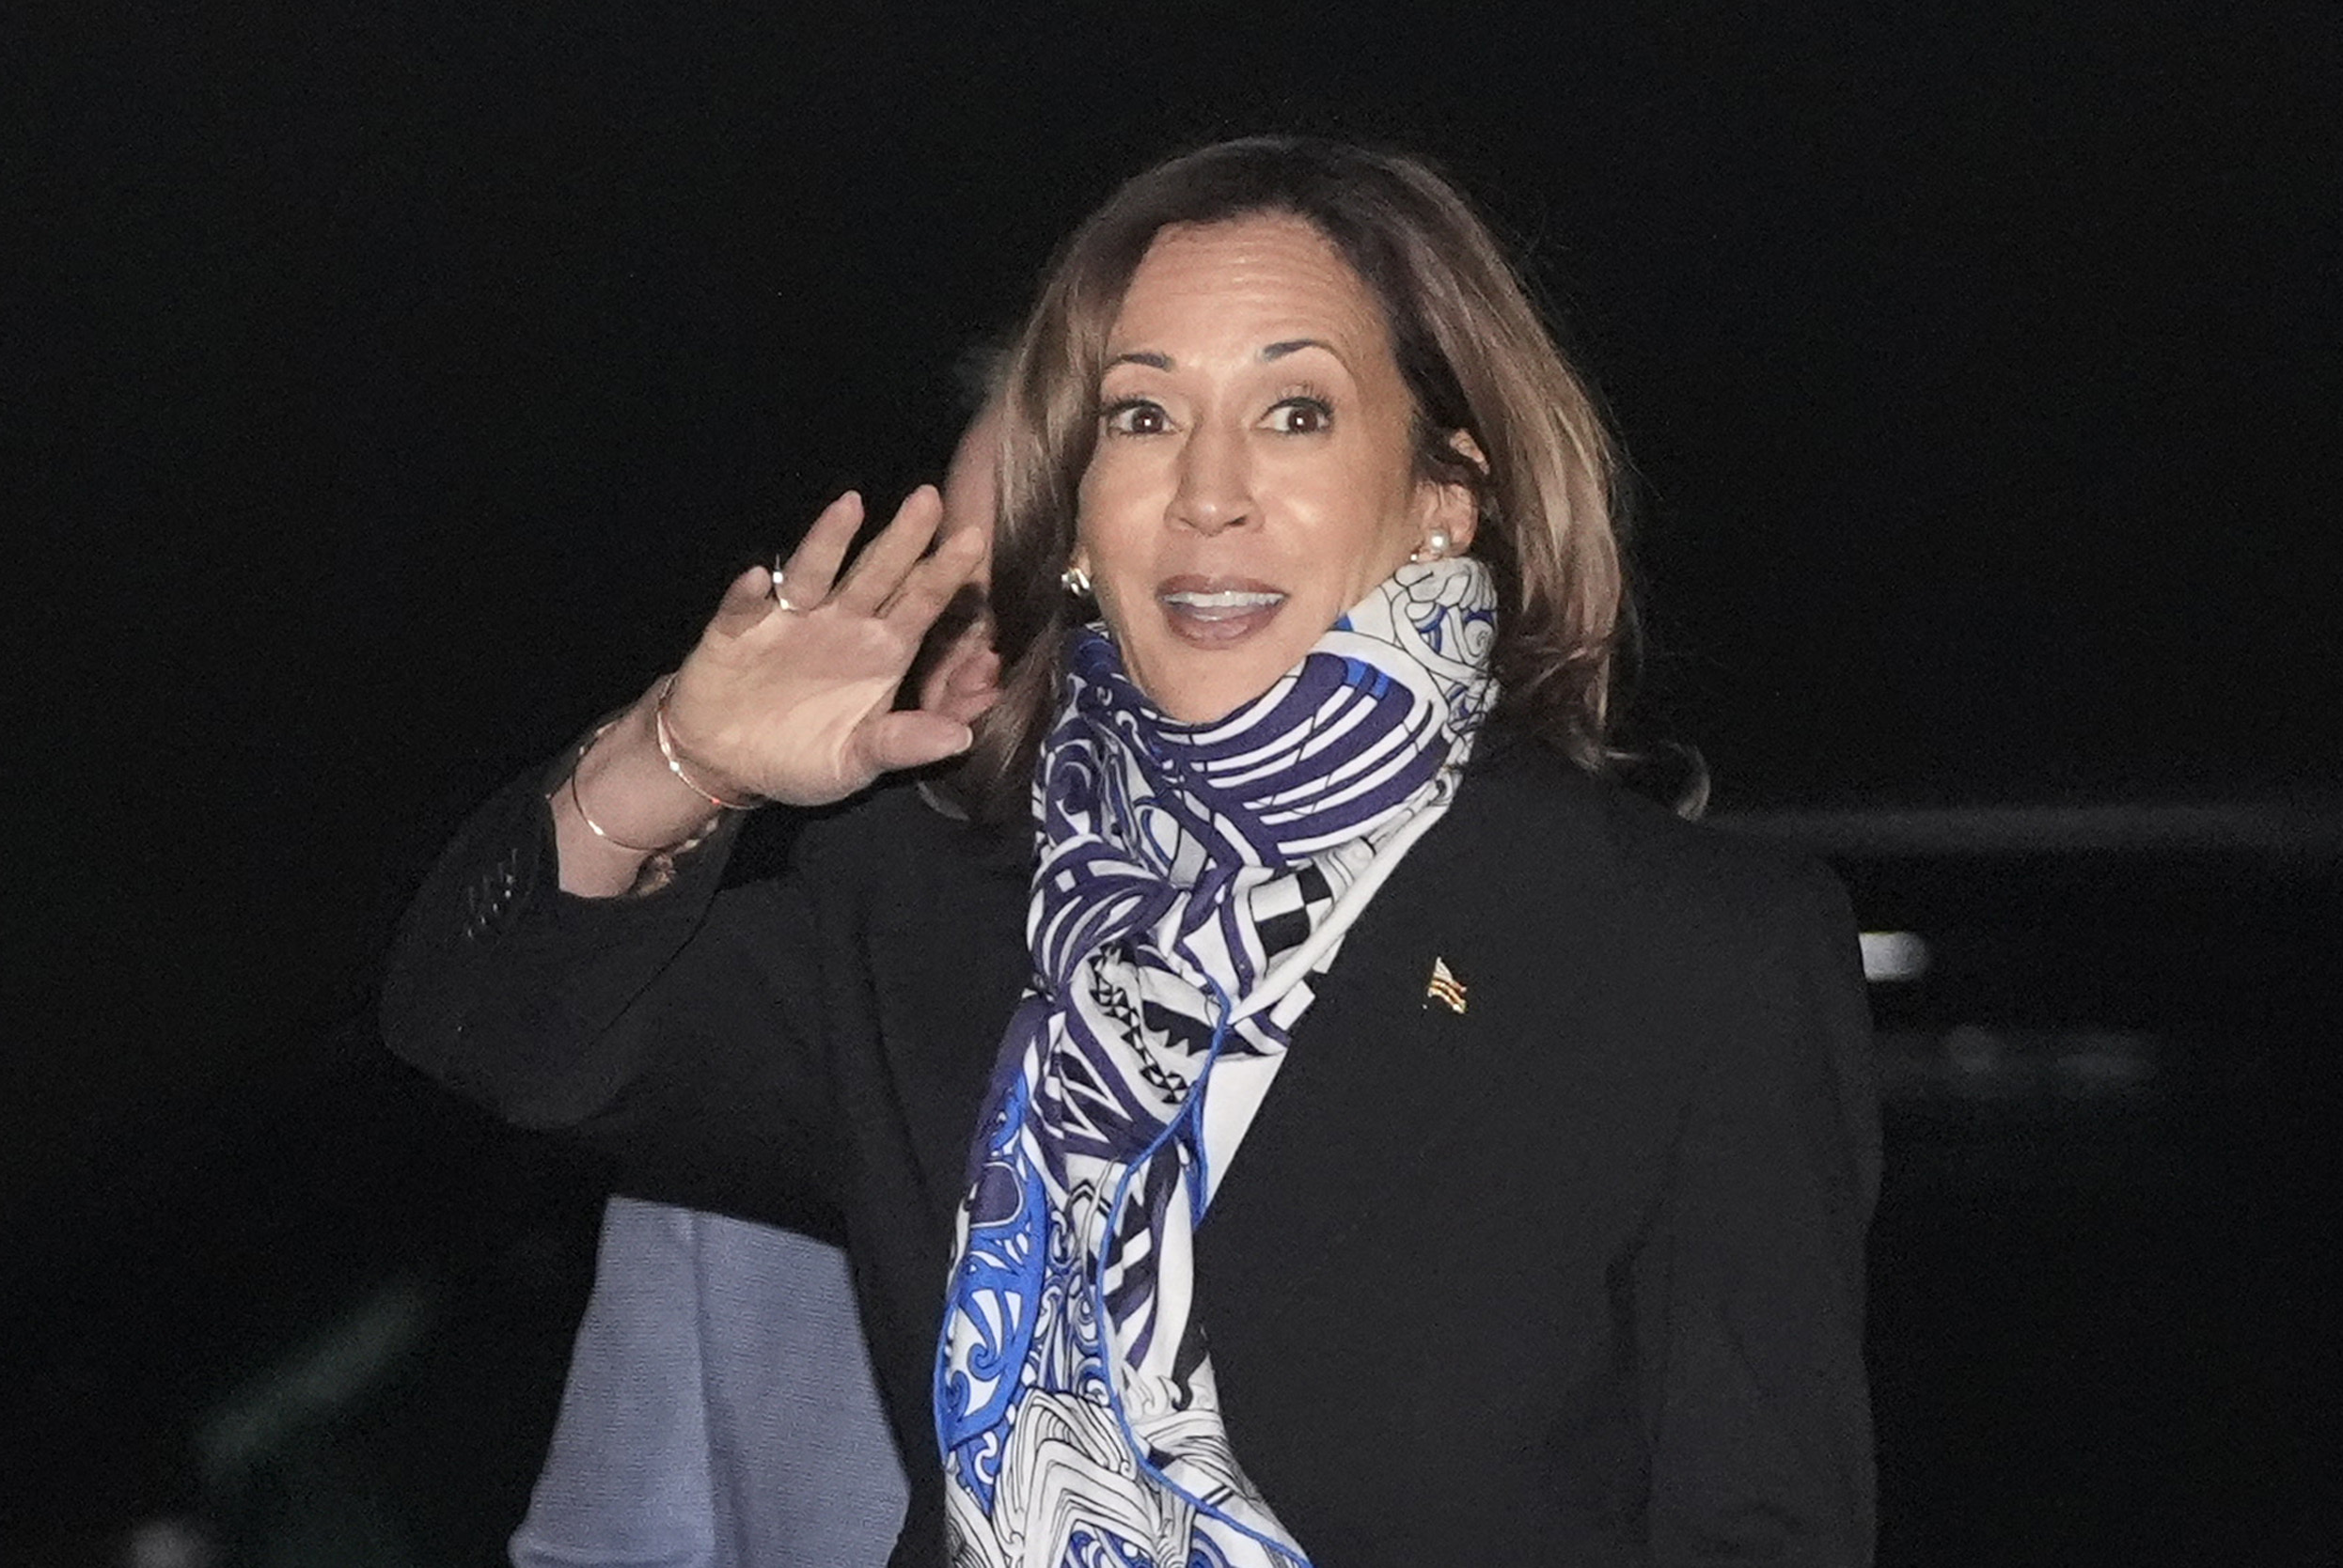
<point>1254,474</point>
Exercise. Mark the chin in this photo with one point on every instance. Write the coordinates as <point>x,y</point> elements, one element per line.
<point>1207,696</point>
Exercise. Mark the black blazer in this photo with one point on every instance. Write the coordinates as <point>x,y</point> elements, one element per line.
<point>1571,1276</point>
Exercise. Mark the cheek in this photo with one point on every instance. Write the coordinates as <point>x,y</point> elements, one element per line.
<point>1109,564</point>
<point>1378,525</point>
<point>1117,528</point>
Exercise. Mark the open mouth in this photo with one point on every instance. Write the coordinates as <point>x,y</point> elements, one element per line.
<point>1212,613</point>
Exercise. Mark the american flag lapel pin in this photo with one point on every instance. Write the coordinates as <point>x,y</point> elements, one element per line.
<point>1444,988</point>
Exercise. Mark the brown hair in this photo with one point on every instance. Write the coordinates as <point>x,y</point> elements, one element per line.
<point>1475,356</point>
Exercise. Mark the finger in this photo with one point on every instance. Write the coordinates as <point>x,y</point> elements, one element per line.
<point>747,599</point>
<point>884,561</point>
<point>812,567</point>
<point>929,585</point>
<point>911,739</point>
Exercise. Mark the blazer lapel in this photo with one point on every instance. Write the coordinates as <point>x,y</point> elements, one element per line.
<point>1385,1076</point>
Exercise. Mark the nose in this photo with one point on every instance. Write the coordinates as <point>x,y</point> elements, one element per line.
<point>1215,490</point>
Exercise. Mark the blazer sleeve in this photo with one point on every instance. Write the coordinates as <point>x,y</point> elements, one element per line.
<point>679,1029</point>
<point>1750,1296</point>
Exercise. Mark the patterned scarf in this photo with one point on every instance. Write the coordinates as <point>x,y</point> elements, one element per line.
<point>1193,881</point>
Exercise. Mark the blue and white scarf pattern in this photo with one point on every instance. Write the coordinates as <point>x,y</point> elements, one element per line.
<point>1193,881</point>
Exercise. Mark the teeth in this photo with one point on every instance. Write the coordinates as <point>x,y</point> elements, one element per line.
<point>1227,600</point>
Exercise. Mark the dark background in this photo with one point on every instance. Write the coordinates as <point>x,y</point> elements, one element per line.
<point>399,384</point>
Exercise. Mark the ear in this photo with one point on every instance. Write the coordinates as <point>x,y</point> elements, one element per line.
<point>1449,505</point>
<point>966,680</point>
<point>1075,579</point>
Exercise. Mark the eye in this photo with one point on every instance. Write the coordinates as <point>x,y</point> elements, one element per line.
<point>1136,416</point>
<point>1301,417</point>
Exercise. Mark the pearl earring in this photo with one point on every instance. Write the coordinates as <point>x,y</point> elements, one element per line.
<point>1435,546</point>
<point>1076,582</point>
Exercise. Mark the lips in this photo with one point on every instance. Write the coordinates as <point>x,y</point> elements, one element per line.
<point>1214,611</point>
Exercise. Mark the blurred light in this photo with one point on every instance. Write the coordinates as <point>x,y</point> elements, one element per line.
<point>1893,955</point>
<point>270,1415</point>
<point>167,1544</point>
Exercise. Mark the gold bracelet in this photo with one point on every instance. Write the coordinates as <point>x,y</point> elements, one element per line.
<point>596,828</point>
<point>675,764</point>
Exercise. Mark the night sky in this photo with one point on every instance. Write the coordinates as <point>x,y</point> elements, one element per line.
<point>407,379</point>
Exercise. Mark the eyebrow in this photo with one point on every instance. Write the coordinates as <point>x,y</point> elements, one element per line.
<point>1274,351</point>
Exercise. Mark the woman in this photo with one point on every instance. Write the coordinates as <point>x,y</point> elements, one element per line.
<point>1557,1144</point>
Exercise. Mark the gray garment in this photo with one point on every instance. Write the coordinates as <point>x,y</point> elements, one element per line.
<point>719,1413</point>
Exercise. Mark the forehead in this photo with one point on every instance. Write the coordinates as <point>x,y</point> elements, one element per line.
<point>1240,285</point>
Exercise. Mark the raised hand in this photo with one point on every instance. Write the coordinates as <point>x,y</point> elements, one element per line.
<point>789,699</point>
<point>792,701</point>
